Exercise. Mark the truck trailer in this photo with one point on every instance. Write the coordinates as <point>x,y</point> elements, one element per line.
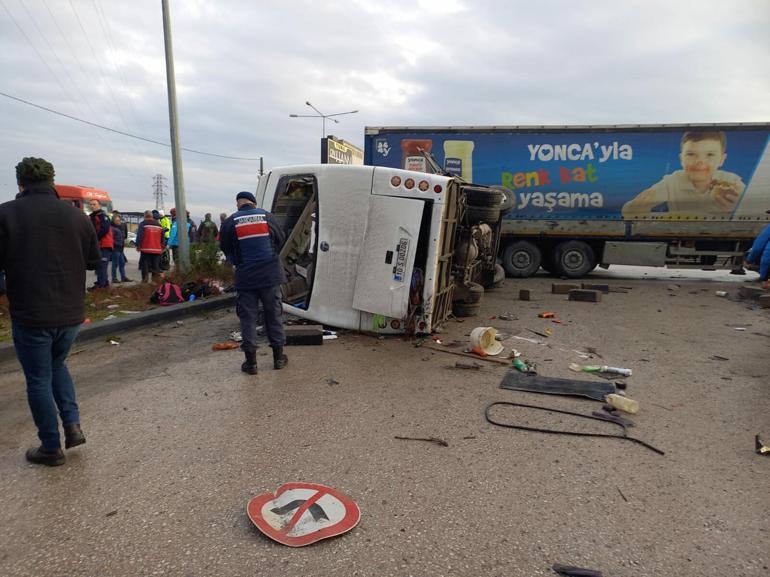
<point>674,195</point>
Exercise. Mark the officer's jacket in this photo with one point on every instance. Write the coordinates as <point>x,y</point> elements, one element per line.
<point>251,240</point>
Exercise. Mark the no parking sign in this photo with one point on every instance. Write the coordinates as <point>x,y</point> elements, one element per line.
<point>299,514</point>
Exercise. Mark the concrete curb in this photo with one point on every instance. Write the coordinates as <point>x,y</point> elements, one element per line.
<point>144,318</point>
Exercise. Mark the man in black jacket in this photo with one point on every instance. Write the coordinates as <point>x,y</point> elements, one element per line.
<point>46,245</point>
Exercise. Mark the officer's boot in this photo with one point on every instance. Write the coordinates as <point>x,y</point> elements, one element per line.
<point>145,277</point>
<point>250,364</point>
<point>279,359</point>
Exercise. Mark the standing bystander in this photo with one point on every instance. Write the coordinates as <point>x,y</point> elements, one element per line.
<point>150,242</point>
<point>118,255</point>
<point>46,245</point>
<point>104,234</point>
<point>252,239</point>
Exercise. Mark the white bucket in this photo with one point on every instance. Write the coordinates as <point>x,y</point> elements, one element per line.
<point>483,338</point>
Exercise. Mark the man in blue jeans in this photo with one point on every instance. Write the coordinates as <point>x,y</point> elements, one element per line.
<point>46,245</point>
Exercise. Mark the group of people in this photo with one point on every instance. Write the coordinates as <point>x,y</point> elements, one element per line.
<point>156,234</point>
<point>47,298</point>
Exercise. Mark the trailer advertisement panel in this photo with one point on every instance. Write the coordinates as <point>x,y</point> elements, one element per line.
<point>688,173</point>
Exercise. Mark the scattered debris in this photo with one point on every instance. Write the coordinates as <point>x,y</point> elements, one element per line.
<point>109,317</point>
<point>563,288</point>
<point>739,328</point>
<point>113,306</point>
<point>538,333</point>
<point>623,403</point>
<point>299,335</point>
<point>112,513</point>
<point>624,436</point>
<point>718,358</point>
<point>114,343</point>
<point>600,369</point>
<point>331,382</point>
<point>586,296</point>
<point>507,317</point>
<point>225,346</point>
<point>673,287</point>
<point>621,494</point>
<point>533,341</point>
<point>282,516</point>
<point>759,447</point>
<point>525,295</point>
<point>483,339</point>
<point>236,336</point>
<point>179,323</point>
<point>470,355</point>
<point>603,288</point>
<point>596,390</point>
<point>471,366</point>
<point>114,340</point>
<point>571,571</point>
<point>546,315</point>
<point>520,365</point>
<point>593,351</point>
<point>721,293</point>
<point>621,385</point>
<point>435,440</point>
<point>614,417</point>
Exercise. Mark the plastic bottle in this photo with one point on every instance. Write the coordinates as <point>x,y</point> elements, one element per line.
<point>458,158</point>
<point>520,365</point>
<point>623,403</point>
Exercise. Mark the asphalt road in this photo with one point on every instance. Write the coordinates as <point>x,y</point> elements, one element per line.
<point>179,440</point>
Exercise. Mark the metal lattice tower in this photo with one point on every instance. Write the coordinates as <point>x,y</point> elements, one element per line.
<point>159,191</point>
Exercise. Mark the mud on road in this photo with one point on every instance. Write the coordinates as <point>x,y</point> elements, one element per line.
<point>179,440</point>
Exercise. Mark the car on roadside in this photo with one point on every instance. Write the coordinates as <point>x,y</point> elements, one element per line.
<point>131,239</point>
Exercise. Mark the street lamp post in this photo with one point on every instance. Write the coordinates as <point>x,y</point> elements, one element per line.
<point>322,116</point>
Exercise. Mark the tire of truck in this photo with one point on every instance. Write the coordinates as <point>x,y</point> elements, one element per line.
<point>491,197</point>
<point>460,309</point>
<point>477,214</point>
<point>573,259</point>
<point>521,259</point>
<point>509,199</point>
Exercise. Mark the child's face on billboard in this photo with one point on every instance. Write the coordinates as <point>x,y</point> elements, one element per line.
<point>701,159</point>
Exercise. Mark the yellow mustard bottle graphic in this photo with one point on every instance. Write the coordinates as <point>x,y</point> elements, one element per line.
<point>458,158</point>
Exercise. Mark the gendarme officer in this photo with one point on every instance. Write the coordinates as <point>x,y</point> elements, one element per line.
<point>252,239</point>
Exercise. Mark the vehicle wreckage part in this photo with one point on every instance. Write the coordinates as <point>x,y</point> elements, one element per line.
<point>460,309</point>
<point>623,437</point>
<point>477,196</point>
<point>594,390</point>
<point>477,214</point>
<point>521,259</point>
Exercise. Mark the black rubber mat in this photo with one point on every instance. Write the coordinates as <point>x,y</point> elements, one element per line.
<point>518,381</point>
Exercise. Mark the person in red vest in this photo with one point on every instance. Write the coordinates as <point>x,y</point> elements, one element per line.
<point>103,228</point>
<point>150,241</point>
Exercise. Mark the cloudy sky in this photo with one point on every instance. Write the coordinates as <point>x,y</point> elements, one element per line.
<point>243,66</point>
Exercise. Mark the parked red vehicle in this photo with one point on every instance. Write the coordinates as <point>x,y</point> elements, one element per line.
<point>81,195</point>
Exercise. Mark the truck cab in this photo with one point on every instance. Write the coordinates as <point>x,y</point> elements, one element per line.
<point>379,249</point>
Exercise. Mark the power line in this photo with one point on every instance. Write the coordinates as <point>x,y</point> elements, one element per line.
<point>120,131</point>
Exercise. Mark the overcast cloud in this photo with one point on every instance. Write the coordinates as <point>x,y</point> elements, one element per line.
<point>242,67</point>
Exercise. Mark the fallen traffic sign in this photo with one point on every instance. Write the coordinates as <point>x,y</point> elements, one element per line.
<point>299,514</point>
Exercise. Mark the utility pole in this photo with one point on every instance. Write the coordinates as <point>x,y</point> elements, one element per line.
<point>176,157</point>
<point>159,191</point>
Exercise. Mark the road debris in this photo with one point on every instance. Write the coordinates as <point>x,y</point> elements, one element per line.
<point>571,571</point>
<point>600,369</point>
<point>546,315</point>
<point>225,346</point>
<point>624,436</point>
<point>483,339</point>
<point>435,440</point>
<point>622,403</point>
<point>470,366</point>
<point>595,390</point>
<point>469,355</point>
<point>759,447</point>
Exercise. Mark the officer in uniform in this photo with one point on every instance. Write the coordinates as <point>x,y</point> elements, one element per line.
<point>251,239</point>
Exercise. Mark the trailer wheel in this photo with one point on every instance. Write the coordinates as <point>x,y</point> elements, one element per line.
<point>521,259</point>
<point>460,309</point>
<point>573,259</point>
<point>477,196</point>
<point>477,214</point>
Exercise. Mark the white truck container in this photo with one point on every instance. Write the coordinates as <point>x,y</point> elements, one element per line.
<point>383,250</point>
